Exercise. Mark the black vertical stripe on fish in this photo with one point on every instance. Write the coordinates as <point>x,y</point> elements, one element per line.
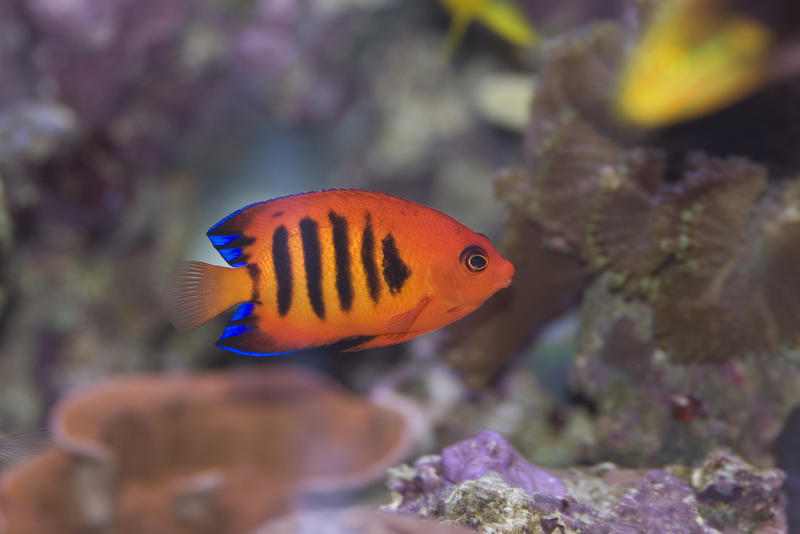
<point>395,270</point>
<point>368,260</point>
<point>255,276</point>
<point>341,249</point>
<point>282,262</point>
<point>309,231</point>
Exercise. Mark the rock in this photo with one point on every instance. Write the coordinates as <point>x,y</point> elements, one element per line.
<point>724,495</point>
<point>489,451</point>
<point>361,520</point>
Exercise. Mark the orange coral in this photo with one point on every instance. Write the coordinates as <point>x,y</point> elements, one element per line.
<point>205,453</point>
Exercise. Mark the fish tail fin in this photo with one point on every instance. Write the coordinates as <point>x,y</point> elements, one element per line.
<point>196,292</point>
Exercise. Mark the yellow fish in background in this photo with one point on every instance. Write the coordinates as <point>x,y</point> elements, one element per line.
<point>695,57</point>
<point>501,16</point>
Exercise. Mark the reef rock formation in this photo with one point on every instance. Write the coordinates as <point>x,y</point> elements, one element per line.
<point>695,261</point>
<point>358,521</point>
<point>705,241</point>
<point>204,453</point>
<point>725,494</point>
<point>650,411</point>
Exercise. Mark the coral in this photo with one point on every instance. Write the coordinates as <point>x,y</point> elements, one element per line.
<point>357,521</point>
<point>695,261</point>
<point>725,495</point>
<point>205,453</point>
<point>734,495</point>
<point>694,249</point>
<point>651,411</point>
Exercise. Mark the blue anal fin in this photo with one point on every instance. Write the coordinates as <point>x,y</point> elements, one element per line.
<point>242,335</point>
<point>243,311</point>
<point>250,341</point>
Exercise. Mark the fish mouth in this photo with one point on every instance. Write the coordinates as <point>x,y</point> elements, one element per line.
<point>509,273</point>
<point>503,283</point>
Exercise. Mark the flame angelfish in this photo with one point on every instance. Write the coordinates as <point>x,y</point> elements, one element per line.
<point>347,268</point>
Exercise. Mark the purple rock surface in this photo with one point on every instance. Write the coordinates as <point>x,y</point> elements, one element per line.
<point>661,502</point>
<point>489,451</point>
<point>486,484</point>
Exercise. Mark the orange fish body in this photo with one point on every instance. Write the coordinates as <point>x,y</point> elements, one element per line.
<point>352,269</point>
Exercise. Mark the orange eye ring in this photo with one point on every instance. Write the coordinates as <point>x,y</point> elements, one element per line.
<point>474,259</point>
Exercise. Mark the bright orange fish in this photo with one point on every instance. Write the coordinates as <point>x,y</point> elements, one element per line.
<point>352,269</point>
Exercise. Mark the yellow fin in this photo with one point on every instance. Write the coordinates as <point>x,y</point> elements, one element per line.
<point>506,20</point>
<point>455,34</point>
<point>502,17</point>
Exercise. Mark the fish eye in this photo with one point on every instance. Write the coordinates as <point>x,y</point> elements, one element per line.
<point>474,259</point>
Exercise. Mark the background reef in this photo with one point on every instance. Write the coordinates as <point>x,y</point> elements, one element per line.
<point>642,369</point>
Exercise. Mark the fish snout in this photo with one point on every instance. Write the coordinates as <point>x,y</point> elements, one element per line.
<point>506,273</point>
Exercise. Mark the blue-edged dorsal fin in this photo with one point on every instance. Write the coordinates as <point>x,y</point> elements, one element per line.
<point>236,237</point>
<point>233,236</point>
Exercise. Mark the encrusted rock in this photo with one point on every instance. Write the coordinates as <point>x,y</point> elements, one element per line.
<point>489,451</point>
<point>725,495</point>
<point>357,521</point>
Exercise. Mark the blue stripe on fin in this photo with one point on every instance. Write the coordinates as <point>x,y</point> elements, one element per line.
<point>243,311</point>
<point>257,354</point>
<point>231,254</point>
<point>222,240</point>
<point>237,330</point>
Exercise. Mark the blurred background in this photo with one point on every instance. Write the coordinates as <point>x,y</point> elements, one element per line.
<point>636,160</point>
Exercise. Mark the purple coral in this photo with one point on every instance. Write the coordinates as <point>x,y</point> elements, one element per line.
<point>489,451</point>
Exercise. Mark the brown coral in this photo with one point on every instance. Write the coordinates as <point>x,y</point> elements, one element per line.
<point>205,453</point>
<point>708,251</point>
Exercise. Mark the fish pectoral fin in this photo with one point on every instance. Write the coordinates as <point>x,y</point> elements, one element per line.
<point>401,323</point>
<point>382,340</point>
